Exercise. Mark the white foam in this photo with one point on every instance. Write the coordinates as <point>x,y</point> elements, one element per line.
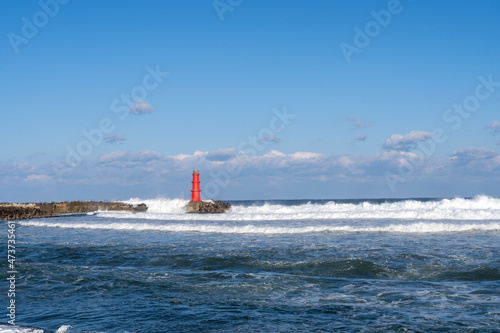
<point>419,227</point>
<point>478,208</point>
<point>18,329</point>
<point>24,329</point>
<point>63,329</point>
<point>161,205</point>
<point>410,216</point>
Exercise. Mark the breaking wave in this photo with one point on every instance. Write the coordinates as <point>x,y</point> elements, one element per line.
<point>420,227</point>
<point>7,328</point>
<point>289,217</point>
<point>477,208</point>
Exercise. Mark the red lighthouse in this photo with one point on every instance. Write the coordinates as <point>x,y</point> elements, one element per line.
<point>195,192</point>
<point>198,206</point>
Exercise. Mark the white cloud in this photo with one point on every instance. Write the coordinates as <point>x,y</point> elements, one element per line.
<point>141,107</point>
<point>275,153</point>
<point>114,138</point>
<point>360,138</point>
<point>270,138</point>
<point>355,123</point>
<point>475,159</point>
<point>128,158</point>
<point>359,124</point>
<point>14,173</point>
<point>406,142</point>
<point>304,155</point>
<point>159,173</point>
<point>16,169</point>
<point>222,154</point>
<point>117,154</point>
<point>37,154</point>
<point>38,178</point>
<point>495,126</point>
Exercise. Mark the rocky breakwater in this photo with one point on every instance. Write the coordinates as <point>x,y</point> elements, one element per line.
<point>74,207</point>
<point>14,211</point>
<point>207,207</point>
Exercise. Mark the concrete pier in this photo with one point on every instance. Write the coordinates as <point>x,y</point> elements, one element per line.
<point>16,211</point>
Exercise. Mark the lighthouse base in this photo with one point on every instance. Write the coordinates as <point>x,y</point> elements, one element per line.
<point>205,207</point>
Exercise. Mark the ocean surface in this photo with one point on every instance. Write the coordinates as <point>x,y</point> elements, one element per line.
<point>417,265</point>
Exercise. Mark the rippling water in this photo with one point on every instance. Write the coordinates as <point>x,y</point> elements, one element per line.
<point>288,266</point>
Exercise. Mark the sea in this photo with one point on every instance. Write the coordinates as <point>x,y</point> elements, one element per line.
<point>385,265</point>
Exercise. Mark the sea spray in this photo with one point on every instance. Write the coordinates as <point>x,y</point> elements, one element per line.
<point>477,208</point>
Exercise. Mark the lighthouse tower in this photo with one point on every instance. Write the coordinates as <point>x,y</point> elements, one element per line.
<point>195,192</point>
<point>200,207</point>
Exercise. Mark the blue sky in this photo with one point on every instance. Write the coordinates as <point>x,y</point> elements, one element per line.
<point>270,100</point>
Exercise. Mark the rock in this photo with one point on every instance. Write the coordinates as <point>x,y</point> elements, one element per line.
<point>140,208</point>
<point>17,211</point>
<point>204,207</point>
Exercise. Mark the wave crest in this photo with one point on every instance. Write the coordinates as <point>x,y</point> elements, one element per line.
<point>478,208</point>
<point>420,227</point>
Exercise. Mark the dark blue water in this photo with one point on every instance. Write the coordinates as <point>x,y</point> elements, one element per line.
<point>159,272</point>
